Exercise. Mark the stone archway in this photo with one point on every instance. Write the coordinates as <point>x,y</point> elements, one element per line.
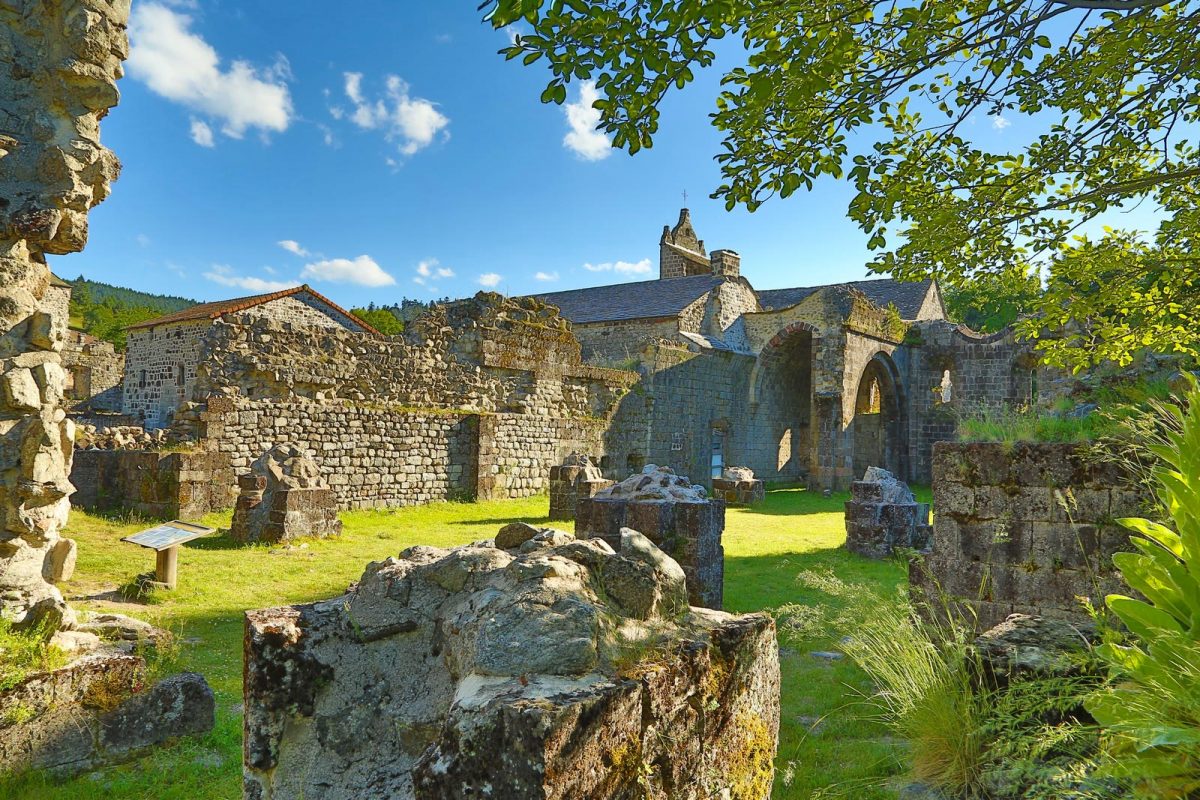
<point>778,439</point>
<point>877,427</point>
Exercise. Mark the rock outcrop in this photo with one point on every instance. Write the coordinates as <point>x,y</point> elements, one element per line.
<point>553,668</point>
<point>284,497</point>
<point>61,61</point>
<point>672,512</point>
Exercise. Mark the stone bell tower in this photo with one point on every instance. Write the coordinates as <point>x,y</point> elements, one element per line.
<point>680,252</point>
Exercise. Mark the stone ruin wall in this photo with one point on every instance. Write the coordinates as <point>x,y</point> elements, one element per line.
<point>986,371</point>
<point>304,309</point>
<point>95,372</point>
<point>157,485</point>
<point>152,388</point>
<point>1024,529</point>
<point>479,400</point>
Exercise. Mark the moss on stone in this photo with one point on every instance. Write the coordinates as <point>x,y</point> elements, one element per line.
<point>751,765</point>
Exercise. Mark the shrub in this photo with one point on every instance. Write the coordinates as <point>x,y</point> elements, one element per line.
<point>1152,718</point>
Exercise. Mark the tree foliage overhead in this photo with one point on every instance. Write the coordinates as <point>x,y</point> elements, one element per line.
<point>884,94</point>
<point>993,301</point>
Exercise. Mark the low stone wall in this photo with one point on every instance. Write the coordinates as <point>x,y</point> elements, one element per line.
<point>1024,529</point>
<point>95,712</point>
<point>153,483</point>
<point>375,456</point>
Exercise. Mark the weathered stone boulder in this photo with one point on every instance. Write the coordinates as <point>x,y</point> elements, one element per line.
<point>574,479</point>
<point>883,516</point>
<point>96,711</point>
<point>673,513</point>
<point>559,668</point>
<point>284,497</point>
<point>1025,646</point>
<point>738,486</point>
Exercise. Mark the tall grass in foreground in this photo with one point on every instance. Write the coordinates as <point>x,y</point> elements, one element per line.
<point>926,693</point>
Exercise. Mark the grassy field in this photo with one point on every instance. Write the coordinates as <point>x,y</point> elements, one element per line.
<point>828,745</point>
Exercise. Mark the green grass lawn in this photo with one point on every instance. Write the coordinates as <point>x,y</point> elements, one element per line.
<point>828,746</point>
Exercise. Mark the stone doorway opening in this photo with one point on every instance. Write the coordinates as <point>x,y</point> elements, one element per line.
<point>877,427</point>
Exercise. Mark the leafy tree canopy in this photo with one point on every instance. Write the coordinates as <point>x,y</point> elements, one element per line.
<point>881,93</point>
<point>380,319</point>
<point>993,301</point>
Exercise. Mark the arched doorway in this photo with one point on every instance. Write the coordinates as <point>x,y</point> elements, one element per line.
<point>877,427</point>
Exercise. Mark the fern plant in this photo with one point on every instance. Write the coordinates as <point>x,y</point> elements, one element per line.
<point>1152,716</point>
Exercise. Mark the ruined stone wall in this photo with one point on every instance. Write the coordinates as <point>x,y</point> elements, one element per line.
<point>517,451</point>
<point>372,456</point>
<point>183,485</point>
<point>989,371</point>
<point>95,372</point>
<point>616,342</point>
<point>161,369</point>
<point>1027,529</point>
<point>304,309</point>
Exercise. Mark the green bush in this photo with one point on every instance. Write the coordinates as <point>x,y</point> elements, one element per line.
<point>26,651</point>
<point>1152,717</point>
<point>989,424</point>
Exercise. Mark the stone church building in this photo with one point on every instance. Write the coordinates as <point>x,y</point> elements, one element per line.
<point>809,384</point>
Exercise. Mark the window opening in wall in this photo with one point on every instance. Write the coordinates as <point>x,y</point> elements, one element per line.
<point>1033,387</point>
<point>874,397</point>
<point>718,453</point>
<point>179,375</point>
<point>634,462</point>
<point>676,442</point>
<point>142,380</point>
<point>945,389</point>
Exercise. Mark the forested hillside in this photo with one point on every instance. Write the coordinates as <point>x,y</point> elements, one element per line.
<point>105,311</point>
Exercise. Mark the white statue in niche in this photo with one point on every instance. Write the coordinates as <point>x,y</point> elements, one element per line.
<point>945,389</point>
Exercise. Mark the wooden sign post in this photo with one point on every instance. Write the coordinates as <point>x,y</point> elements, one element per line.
<point>165,540</point>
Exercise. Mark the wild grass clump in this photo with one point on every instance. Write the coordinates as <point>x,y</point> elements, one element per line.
<point>24,652</point>
<point>1025,424</point>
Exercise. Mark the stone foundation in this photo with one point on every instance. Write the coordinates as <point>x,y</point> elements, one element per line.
<point>689,530</point>
<point>95,712</point>
<point>882,517</point>
<point>556,669</point>
<point>738,487</point>
<point>575,479</point>
<point>1024,529</point>
<point>151,483</point>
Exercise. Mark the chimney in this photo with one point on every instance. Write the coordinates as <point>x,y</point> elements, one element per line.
<point>725,263</point>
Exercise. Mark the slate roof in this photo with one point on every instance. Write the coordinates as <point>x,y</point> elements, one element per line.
<point>907,297</point>
<point>220,308</point>
<point>638,300</point>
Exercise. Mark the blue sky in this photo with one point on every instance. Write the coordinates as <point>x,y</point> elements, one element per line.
<point>394,154</point>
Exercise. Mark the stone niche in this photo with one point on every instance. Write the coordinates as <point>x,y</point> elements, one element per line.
<point>1024,529</point>
<point>549,668</point>
<point>675,514</point>
<point>882,516</point>
<point>737,486</point>
<point>575,479</point>
<point>284,497</point>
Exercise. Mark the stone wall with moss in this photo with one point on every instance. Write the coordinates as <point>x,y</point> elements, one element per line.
<point>1027,528</point>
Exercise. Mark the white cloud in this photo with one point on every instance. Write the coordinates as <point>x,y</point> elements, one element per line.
<point>490,279</point>
<point>1000,123</point>
<point>429,273</point>
<point>412,122</point>
<point>270,270</point>
<point>546,276</point>
<point>201,133</point>
<point>293,247</point>
<point>142,239</point>
<point>583,138</point>
<point>224,275</point>
<point>513,31</point>
<point>624,267</point>
<point>181,66</point>
<point>362,271</point>
<point>424,269</point>
<point>445,272</point>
